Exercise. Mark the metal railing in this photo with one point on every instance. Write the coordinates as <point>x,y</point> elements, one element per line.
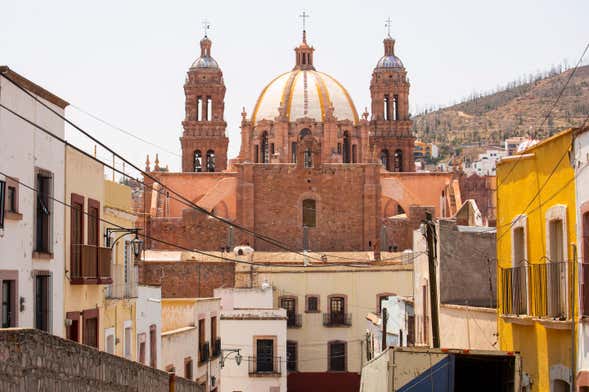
<point>124,283</point>
<point>265,365</point>
<point>90,264</point>
<point>334,319</point>
<point>216,348</point>
<point>203,352</point>
<point>294,320</point>
<point>538,290</point>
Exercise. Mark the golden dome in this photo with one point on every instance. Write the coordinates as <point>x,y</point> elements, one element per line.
<point>304,93</point>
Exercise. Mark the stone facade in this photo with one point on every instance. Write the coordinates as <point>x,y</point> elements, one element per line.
<point>187,279</point>
<point>35,361</point>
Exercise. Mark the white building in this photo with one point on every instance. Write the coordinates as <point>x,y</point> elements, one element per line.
<point>191,343</point>
<point>149,325</point>
<point>486,163</point>
<point>250,324</point>
<point>580,163</point>
<point>32,247</point>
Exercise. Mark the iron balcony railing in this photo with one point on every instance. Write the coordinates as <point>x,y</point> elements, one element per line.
<point>538,290</point>
<point>293,320</point>
<point>336,319</point>
<point>90,264</point>
<point>264,365</point>
<point>216,348</point>
<point>203,353</point>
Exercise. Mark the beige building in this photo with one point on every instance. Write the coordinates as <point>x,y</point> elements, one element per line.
<point>191,343</point>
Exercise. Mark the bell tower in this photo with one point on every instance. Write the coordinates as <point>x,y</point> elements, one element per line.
<point>391,137</point>
<point>204,142</point>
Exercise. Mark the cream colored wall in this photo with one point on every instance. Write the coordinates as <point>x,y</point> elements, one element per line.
<point>84,177</point>
<point>468,327</point>
<point>178,345</point>
<point>360,285</point>
<point>375,376</point>
<point>178,313</point>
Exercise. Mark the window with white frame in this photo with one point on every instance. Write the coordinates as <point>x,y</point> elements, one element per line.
<point>556,263</point>
<point>515,279</point>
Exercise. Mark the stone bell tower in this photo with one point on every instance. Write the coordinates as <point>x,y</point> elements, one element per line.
<point>204,142</point>
<point>391,138</point>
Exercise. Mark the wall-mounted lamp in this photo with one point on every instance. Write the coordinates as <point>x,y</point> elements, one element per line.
<point>136,243</point>
<point>225,353</point>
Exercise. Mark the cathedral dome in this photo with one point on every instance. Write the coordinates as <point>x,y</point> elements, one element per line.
<point>205,60</point>
<point>304,93</point>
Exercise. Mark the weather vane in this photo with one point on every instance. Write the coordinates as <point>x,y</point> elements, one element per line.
<point>304,15</point>
<point>206,25</point>
<point>387,24</point>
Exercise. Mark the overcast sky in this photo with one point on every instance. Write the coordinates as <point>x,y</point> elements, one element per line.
<point>125,61</point>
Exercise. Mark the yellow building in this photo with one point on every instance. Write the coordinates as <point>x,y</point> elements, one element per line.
<point>119,321</point>
<point>99,293</point>
<point>535,227</point>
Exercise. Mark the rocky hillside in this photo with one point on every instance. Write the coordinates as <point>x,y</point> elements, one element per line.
<point>518,109</point>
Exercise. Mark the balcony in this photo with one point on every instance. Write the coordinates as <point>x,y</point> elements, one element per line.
<point>203,353</point>
<point>124,282</point>
<point>294,320</point>
<point>90,264</point>
<point>336,319</point>
<point>536,290</point>
<point>263,365</point>
<point>216,348</point>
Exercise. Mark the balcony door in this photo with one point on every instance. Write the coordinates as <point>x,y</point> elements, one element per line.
<point>290,306</point>
<point>264,355</point>
<point>77,234</point>
<point>337,310</point>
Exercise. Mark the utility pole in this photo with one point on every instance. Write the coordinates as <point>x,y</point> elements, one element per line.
<point>430,236</point>
<point>385,318</point>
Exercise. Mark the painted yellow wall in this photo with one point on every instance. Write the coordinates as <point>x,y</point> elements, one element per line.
<point>543,344</point>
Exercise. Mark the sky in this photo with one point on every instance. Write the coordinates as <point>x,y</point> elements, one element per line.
<point>125,61</point>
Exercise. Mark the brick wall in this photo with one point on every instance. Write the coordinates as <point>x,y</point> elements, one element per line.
<point>399,231</point>
<point>187,279</point>
<point>32,360</point>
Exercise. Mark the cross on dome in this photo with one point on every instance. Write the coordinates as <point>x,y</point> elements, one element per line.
<point>387,24</point>
<point>206,26</point>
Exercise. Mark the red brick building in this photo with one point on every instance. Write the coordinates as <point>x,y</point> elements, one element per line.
<point>311,172</point>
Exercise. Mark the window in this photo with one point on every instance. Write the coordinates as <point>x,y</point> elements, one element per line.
<point>128,336</point>
<point>519,253</point>
<point>2,202</point>
<point>264,355</point>
<point>141,341</point>
<point>8,303</point>
<point>256,154</point>
<point>264,147</point>
<point>294,152</point>
<point>73,326</point>
<point>309,213</point>
<point>291,356</point>
<point>197,161</point>
<point>336,314</point>
<point>153,346</point>
<point>44,207</point>
<point>312,303</point>
<point>209,109</point>
<point>43,301</point>
<point>556,264</point>
<point>346,147</point>
<point>556,238</point>
<point>337,356</point>
<point>354,153</point>
<point>188,366</point>
<point>11,203</point>
<point>90,333</point>
<point>210,161</point>
<point>199,109</point>
<point>93,222</point>
<point>289,304</point>
<point>308,158</point>
<point>398,161</point>
<point>110,341</point>
<point>203,345</point>
<point>386,107</point>
<point>272,152</point>
<point>395,107</point>
<point>384,158</point>
<point>213,329</point>
<point>76,234</point>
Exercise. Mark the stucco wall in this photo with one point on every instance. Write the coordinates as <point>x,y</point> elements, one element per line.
<point>34,361</point>
<point>149,312</point>
<point>468,327</point>
<point>23,149</point>
<point>236,298</point>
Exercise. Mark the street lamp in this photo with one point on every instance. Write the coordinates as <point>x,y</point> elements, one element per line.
<point>225,353</point>
<point>136,243</point>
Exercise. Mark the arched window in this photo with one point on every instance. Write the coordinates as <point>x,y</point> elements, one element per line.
<point>384,158</point>
<point>197,161</point>
<point>346,150</point>
<point>210,161</point>
<point>308,158</point>
<point>304,132</point>
<point>309,213</point>
<point>398,161</point>
<point>354,153</point>
<point>199,104</point>
<point>264,148</point>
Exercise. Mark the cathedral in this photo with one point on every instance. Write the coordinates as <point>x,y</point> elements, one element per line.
<point>311,172</point>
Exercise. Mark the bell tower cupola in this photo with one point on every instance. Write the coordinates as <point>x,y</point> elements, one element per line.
<point>204,142</point>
